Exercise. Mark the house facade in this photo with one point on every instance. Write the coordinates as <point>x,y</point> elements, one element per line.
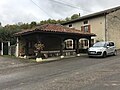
<point>105,24</point>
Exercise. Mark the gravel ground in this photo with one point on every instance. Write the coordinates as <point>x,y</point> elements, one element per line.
<point>6,62</point>
<point>82,78</point>
<point>80,73</point>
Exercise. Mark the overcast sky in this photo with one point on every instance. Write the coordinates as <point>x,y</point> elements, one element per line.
<point>26,11</point>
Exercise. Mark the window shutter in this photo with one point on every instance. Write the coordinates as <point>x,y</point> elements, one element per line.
<point>82,28</point>
<point>89,28</point>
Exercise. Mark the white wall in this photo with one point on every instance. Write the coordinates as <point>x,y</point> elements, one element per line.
<point>97,26</point>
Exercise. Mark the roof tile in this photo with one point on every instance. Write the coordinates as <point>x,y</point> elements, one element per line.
<point>54,28</point>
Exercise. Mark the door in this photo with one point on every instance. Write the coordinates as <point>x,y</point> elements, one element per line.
<point>5,48</point>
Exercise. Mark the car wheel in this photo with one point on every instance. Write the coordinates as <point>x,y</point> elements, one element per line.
<point>104,54</point>
<point>115,53</point>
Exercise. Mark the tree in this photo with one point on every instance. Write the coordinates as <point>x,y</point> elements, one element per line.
<point>25,26</point>
<point>33,24</point>
<point>7,33</point>
<point>75,16</point>
<point>67,19</point>
<point>0,24</point>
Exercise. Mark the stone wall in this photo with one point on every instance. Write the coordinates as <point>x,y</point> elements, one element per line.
<point>113,27</point>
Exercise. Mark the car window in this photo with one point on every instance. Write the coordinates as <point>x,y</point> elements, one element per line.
<point>111,44</point>
<point>107,44</point>
<point>99,44</point>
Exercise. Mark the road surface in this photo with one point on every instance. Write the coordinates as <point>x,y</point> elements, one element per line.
<point>79,73</point>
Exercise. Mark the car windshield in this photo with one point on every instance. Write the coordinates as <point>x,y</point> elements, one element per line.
<point>99,44</point>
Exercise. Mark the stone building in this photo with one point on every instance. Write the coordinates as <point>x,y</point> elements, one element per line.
<point>105,24</point>
<point>53,38</point>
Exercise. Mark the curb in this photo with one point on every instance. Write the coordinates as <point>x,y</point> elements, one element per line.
<point>58,58</point>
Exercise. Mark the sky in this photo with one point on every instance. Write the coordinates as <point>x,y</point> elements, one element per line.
<point>26,11</point>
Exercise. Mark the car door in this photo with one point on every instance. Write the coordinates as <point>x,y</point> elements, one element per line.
<point>108,49</point>
<point>111,47</point>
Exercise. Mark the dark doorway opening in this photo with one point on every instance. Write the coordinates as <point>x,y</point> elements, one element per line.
<point>5,48</point>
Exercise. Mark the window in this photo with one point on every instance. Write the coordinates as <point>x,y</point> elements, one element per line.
<point>85,28</point>
<point>69,44</point>
<point>70,25</point>
<point>92,42</point>
<point>86,42</point>
<point>85,22</point>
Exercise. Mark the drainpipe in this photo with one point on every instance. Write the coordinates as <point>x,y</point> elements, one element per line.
<point>105,29</point>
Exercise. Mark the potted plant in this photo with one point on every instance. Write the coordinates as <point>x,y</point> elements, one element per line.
<point>39,47</point>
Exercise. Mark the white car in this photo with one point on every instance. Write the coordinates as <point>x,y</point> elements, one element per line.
<point>102,49</point>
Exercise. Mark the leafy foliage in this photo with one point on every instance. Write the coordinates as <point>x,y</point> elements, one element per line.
<point>51,21</point>
<point>75,16</point>
<point>7,32</point>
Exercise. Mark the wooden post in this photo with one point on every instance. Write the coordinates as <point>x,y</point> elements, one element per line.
<point>26,49</point>
<point>77,46</point>
<point>39,42</point>
<point>89,41</point>
<point>74,44</point>
<point>61,48</point>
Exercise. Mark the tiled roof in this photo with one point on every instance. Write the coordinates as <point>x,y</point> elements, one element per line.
<point>55,29</point>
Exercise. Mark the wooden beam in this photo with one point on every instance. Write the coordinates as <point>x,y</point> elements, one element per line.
<point>61,46</point>
<point>77,46</point>
<point>89,41</point>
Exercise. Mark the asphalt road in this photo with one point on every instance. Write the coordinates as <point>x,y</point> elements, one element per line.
<point>80,73</point>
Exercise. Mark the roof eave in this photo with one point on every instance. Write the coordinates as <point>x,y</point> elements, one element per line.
<point>83,18</point>
<point>97,14</point>
<point>38,31</point>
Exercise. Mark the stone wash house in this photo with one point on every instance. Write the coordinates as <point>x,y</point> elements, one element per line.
<point>105,24</point>
<point>53,37</point>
